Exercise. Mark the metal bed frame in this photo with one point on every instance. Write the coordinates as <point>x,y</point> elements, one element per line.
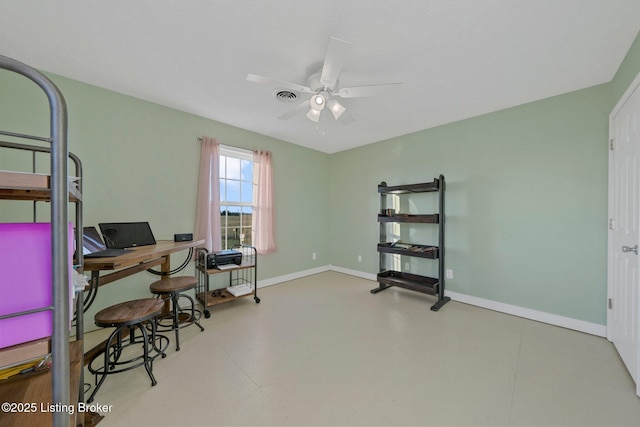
<point>59,155</point>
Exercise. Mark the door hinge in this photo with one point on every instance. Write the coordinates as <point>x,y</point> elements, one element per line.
<point>612,224</point>
<point>610,303</point>
<point>611,144</point>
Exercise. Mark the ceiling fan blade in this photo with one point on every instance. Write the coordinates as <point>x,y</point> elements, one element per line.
<point>372,90</point>
<point>285,85</point>
<point>303,106</point>
<point>334,59</point>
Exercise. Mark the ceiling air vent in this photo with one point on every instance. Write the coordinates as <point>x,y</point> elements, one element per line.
<point>285,96</point>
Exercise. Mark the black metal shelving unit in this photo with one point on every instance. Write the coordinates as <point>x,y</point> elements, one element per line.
<point>388,278</point>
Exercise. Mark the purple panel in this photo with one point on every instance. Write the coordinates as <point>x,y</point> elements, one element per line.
<point>25,280</point>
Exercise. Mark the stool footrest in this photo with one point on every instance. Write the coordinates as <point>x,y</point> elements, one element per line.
<point>175,317</point>
<point>118,355</point>
<point>165,321</point>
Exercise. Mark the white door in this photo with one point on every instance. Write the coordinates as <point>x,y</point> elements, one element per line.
<point>623,317</point>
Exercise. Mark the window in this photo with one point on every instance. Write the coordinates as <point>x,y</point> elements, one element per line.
<point>233,217</point>
<point>236,196</point>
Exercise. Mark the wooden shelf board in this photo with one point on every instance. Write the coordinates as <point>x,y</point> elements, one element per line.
<point>211,300</point>
<point>425,187</point>
<point>31,186</point>
<point>227,268</point>
<point>424,219</point>
<point>36,388</point>
<point>414,282</point>
<point>24,352</point>
<point>420,251</point>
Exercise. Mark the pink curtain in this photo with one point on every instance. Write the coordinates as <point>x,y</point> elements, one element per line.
<point>207,225</point>
<point>262,221</point>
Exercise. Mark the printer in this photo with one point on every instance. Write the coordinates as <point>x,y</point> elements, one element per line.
<point>225,257</point>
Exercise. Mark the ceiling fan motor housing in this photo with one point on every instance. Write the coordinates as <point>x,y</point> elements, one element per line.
<point>315,85</point>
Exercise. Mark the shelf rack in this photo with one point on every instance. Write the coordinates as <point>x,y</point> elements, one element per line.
<point>244,273</point>
<point>388,278</point>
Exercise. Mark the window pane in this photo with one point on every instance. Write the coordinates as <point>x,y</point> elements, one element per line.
<point>233,191</point>
<point>223,166</point>
<point>245,236</point>
<point>233,168</point>
<point>246,226</point>
<point>247,170</point>
<point>246,192</point>
<point>246,216</point>
<point>223,194</point>
<point>223,228</point>
<point>233,226</point>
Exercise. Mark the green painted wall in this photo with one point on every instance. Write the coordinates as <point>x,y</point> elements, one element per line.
<point>526,202</point>
<point>140,163</point>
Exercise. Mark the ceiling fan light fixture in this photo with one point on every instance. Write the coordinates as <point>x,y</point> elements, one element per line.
<point>317,102</point>
<point>336,108</point>
<point>314,115</point>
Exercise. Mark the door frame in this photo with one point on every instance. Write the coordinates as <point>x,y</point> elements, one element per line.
<point>619,105</point>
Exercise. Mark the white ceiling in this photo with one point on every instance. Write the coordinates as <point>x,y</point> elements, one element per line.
<point>455,58</point>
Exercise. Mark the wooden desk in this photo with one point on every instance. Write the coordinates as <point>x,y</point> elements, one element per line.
<point>142,258</point>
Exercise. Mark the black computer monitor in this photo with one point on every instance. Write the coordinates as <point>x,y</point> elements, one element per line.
<point>127,234</point>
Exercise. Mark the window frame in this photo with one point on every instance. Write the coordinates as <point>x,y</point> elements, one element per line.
<point>225,205</point>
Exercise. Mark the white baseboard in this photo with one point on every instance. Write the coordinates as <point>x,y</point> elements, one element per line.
<point>292,276</point>
<point>514,310</point>
<point>527,313</point>
<point>360,274</point>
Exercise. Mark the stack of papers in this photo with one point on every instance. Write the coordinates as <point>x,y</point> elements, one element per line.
<point>238,290</point>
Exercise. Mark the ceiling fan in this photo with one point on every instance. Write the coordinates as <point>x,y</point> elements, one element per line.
<point>324,87</point>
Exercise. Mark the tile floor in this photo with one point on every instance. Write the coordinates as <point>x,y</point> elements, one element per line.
<point>322,350</point>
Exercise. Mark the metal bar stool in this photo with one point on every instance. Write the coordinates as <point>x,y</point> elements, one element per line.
<point>126,317</point>
<point>170,290</point>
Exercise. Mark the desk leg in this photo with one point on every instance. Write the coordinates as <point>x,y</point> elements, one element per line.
<point>165,267</point>
<point>92,291</point>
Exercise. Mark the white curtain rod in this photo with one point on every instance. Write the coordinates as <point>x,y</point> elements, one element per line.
<point>231,147</point>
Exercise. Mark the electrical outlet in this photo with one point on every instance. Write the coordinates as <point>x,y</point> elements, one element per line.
<point>314,255</point>
<point>449,273</point>
<point>359,258</point>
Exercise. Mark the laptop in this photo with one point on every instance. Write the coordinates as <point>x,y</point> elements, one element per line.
<point>127,234</point>
<point>94,247</point>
